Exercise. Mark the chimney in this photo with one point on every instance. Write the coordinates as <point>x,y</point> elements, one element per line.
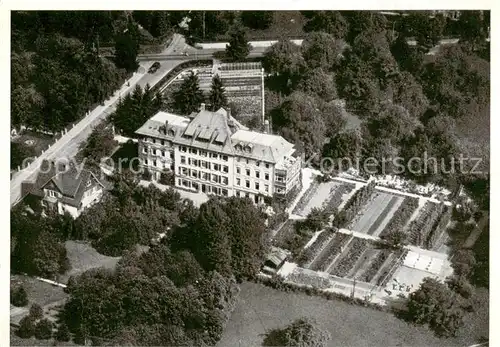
<point>202,106</point>
<point>267,128</point>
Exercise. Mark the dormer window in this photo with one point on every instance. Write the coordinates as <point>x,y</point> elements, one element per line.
<point>52,193</point>
<point>171,132</point>
<point>238,147</point>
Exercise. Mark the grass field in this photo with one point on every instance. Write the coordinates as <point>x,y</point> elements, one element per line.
<point>260,309</point>
<point>83,257</point>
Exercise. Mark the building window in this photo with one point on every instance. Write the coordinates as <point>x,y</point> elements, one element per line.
<point>145,162</point>
<point>258,163</point>
<point>154,163</point>
<point>267,166</point>
<point>154,140</point>
<point>214,178</point>
<point>257,186</point>
<point>194,173</point>
<point>163,142</point>
<point>183,149</point>
<point>247,161</point>
<point>214,155</point>
<point>238,182</point>
<point>216,167</point>
<point>225,169</point>
<point>257,174</point>
<point>247,195</point>
<point>163,154</point>
<point>145,149</point>
<point>238,171</point>
<point>183,159</point>
<point>238,194</point>
<point>225,158</point>
<point>247,184</point>
<point>248,172</point>
<point>52,193</point>
<point>280,190</point>
<point>266,176</point>
<point>266,187</point>
<point>203,153</point>
<point>225,180</point>
<point>224,192</point>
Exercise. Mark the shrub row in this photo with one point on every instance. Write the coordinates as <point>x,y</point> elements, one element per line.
<point>375,265</point>
<point>401,217</point>
<point>333,249</point>
<point>336,198</point>
<point>306,197</point>
<point>439,226</point>
<point>419,229</point>
<point>398,258</point>
<point>310,253</point>
<point>356,249</point>
<point>353,205</point>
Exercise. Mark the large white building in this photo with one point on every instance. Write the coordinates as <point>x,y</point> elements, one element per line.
<point>213,153</point>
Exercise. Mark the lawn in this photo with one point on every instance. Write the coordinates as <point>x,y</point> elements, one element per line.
<point>260,308</point>
<point>83,257</point>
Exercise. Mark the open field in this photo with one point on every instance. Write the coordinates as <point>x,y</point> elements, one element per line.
<point>83,257</point>
<point>376,213</point>
<point>260,309</point>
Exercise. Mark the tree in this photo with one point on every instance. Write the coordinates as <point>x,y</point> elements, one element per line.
<point>258,20</point>
<point>317,219</point>
<point>36,311</point>
<point>473,25</point>
<point>18,296</point>
<point>364,22</point>
<point>63,333</point>
<point>285,63</point>
<point>127,49</point>
<point>43,329</point>
<point>217,96</point>
<point>435,304</point>
<point>344,148</point>
<point>302,332</point>
<point>26,327</point>
<point>394,123</point>
<point>322,50</point>
<point>238,47</point>
<point>331,22</point>
<point>319,82</point>
<point>189,97</point>
<point>300,121</point>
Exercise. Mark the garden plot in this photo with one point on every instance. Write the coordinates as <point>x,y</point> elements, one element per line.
<point>389,266</point>
<point>343,265</point>
<point>327,195</point>
<point>376,213</point>
<point>330,252</point>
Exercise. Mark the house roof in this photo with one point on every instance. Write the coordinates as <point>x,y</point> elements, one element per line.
<point>266,147</point>
<point>70,182</point>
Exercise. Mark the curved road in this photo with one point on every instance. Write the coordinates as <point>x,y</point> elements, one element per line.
<point>69,143</point>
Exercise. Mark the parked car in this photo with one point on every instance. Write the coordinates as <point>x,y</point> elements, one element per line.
<point>154,67</point>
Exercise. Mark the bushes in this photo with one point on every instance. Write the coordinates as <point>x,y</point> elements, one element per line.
<point>333,250</point>
<point>43,329</point>
<point>63,334</point>
<point>375,265</point>
<point>353,205</point>
<point>401,217</point>
<point>26,327</point>
<point>356,249</point>
<point>308,254</point>
<point>419,229</point>
<point>36,311</point>
<point>18,296</point>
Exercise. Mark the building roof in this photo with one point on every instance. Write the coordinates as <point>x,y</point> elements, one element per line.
<point>70,183</point>
<point>266,147</point>
<point>277,256</point>
<point>164,125</point>
<point>219,132</point>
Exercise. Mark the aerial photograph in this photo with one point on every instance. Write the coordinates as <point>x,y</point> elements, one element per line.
<point>250,178</point>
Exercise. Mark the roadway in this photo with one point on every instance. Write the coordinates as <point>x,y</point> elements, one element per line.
<point>68,145</point>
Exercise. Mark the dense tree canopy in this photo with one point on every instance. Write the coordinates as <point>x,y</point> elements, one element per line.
<point>238,47</point>
<point>331,22</point>
<point>257,19</point>
<point>302,332</point>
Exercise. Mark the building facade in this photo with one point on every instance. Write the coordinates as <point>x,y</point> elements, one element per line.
<point>212,153</point>
<point>65,189</point>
